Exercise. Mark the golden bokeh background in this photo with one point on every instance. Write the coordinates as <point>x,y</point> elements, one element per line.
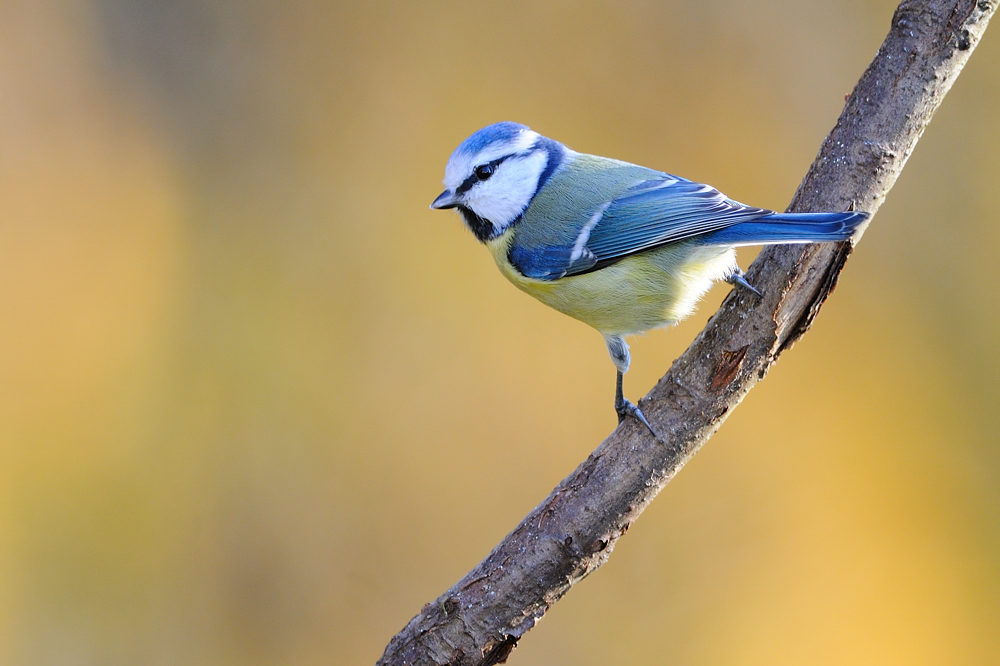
<point>258,404</point>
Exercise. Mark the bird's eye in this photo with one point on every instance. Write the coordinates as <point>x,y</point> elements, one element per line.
<point>484,171</point>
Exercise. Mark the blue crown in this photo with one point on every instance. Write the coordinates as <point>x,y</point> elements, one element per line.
<point>497,132</point>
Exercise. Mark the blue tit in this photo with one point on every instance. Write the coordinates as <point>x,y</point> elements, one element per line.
<point>618,246</point>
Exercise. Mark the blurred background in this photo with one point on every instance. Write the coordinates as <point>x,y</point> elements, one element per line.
<point>258,404</point>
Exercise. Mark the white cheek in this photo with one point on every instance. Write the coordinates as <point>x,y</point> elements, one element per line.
<point>505,196</point>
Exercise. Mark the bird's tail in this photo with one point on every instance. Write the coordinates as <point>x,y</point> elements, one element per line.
<point>778,228</point>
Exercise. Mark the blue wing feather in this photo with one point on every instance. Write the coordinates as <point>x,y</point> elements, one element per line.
<point>661,211</point>
<point>665,210</point>
<point>551,262</point>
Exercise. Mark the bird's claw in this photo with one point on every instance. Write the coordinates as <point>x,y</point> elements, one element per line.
<point>626,408</point>
<point>738,278</point>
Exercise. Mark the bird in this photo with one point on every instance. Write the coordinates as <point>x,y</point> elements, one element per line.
<point>620,247</point>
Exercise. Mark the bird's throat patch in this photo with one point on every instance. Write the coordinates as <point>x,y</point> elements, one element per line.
<point>481,227</point>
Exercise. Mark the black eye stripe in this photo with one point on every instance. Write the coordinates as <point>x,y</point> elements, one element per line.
<point>473,179</point>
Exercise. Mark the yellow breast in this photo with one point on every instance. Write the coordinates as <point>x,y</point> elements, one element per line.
<point>655,288</point>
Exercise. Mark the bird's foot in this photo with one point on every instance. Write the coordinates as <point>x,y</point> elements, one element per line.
<point>626,408</point>
<point>738,278</point>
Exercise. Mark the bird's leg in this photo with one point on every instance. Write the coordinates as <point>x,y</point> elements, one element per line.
<point>738,278</point>
<point>626,408</point>
<point>618,349</point>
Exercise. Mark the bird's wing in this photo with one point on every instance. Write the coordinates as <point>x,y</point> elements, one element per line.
<point>656,212</point>
<point>652,213</point>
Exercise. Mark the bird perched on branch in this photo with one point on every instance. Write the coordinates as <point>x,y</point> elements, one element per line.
<point>618,246</point>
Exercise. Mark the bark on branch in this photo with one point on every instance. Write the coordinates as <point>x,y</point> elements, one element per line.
<point>572,533</point>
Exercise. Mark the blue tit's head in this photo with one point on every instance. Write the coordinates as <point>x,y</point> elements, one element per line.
<point>493,175</point>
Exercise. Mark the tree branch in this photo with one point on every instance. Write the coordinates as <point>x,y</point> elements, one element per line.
<point>572,533</point>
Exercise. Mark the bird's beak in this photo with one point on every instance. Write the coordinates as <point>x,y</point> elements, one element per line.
<point>445,200</point>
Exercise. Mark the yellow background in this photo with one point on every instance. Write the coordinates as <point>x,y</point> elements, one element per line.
<point>258,404</point>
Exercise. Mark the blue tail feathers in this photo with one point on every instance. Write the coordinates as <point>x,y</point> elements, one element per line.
<point>778,228</point>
